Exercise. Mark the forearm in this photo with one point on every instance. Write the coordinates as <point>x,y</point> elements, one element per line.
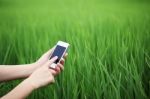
<point>21,91</point>
<point>10,72</point>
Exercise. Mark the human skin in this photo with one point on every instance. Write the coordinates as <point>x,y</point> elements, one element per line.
<point>39,74</point>
<point>10,72</point>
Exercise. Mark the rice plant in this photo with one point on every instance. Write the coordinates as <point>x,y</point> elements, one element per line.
<point>109,56</point>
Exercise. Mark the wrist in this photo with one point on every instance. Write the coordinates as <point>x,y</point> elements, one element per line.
<point>30,84</point>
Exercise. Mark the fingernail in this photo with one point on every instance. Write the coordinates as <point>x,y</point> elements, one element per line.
<point>56,57</point>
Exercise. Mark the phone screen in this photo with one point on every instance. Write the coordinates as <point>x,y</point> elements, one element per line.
<point>59,50</point>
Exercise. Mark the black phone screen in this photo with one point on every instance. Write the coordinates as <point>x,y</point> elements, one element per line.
<point>58,51</point>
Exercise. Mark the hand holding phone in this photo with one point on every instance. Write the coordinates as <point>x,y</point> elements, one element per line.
<point>59,51</point>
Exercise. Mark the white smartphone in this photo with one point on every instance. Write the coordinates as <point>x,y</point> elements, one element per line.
<point>59,51</point>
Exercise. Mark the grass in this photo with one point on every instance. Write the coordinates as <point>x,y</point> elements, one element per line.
<point>109,56</point>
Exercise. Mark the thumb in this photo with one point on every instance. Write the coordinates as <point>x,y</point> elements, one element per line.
<point>52,60</point>
<point>49,52</point>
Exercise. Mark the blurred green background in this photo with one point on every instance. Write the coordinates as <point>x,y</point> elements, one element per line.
<point>109,56</point>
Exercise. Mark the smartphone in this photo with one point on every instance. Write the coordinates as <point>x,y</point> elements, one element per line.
<point>59,51</point>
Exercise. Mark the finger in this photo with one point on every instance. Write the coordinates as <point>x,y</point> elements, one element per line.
<point>53,72</point>
<point>61,66</point>
<point>62,61</point>
<point>57,69</point>
<point>51,61</point>
<point>65,56</point>
<point>49,52</point>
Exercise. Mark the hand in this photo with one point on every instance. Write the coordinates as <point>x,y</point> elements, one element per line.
<point>43,75</point>
<point>60,65</point>
<point>45,58</point>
